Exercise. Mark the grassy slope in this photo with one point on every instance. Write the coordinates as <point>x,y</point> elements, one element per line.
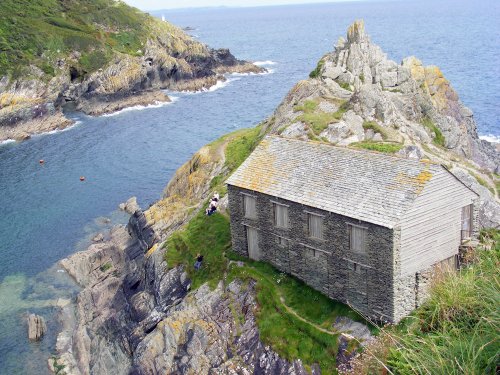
<point>39,32</point>
<point>457,327</point>
<point>455,332</point>
<point>291,337</point>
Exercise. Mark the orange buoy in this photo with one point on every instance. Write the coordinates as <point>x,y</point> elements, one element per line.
<point>41,161</point>
<point>82,178</point>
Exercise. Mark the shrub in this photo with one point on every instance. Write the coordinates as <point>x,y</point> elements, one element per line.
<point>90,62</point>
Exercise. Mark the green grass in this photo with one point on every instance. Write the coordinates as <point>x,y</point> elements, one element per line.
<point>288,335</point>
<point>438,139</point>
<point>376,128</point>
<point>317,71</point>
<point>388,148</point>
<point>90,62</point>
<point>206,235</point>
<point>40,32</point>
<point>105,267</point>
<point>456,331</point>
<point>345,86</point>
<point>317,120</point>
<point>241,147</point>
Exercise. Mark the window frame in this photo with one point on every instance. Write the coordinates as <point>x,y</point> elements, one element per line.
<point>275,216</point>
<point>245,214</point>
<point>364,250</point>
<point>322,218</point>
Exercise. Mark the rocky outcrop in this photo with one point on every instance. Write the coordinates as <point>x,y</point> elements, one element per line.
<point>362,96</point>
<point>36,327</point>
<point>171,59</point>
<point>407,101</point>
<point>136,316</point>
<point>130,206</point>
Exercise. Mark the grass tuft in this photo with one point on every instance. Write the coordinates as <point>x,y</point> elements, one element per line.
<point>438,139</point>
<point>317,71</point>
<point>388,148</point>
<point>317,120</point>
<point>376,128</point>
<point>454,332</point>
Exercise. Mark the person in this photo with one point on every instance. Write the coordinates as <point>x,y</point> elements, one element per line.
<point>215,197</point>
<point>212,207</point>
<point>199,260</point>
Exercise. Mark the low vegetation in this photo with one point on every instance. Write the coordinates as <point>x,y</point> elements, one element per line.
<point>483,182</point>
<point>41,33</point>
<point>345,86</point>
<point>290,336</point>
<point>455,332</point>
<point>316,119</point>
<point>386,147</point>
<point>317,71</point>
<point>293,318</point>
<point>239,149</point>
<point>438,138</point>
<point>376,128</point>
<point>105,267</point>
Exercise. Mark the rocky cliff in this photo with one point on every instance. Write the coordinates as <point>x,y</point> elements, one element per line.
<point>100,55</point>
<point>138,314</point>
<point>357,97</point>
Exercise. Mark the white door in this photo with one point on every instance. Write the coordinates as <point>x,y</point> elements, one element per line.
<point>253,243</point>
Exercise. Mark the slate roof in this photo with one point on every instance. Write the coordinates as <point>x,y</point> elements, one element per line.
<point>367,186</point>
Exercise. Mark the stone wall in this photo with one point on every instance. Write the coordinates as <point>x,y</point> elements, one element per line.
<point>365,281</point>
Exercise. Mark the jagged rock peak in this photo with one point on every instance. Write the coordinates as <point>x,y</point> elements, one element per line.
<point>356,32</point>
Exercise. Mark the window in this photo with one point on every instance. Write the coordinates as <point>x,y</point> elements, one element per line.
<point>357,238</point>
<point>466,222</point>
<point>281,241</point>
<point>280,215</point>
<point>250,206</point>
<point>315,225</point>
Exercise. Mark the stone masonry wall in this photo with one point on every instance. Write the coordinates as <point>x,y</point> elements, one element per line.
<point>365,281</point>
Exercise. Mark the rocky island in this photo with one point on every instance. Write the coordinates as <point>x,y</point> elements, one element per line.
<point>145,310</point>
<point>97,56</point>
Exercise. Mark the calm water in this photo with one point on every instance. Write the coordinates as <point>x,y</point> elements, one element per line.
<point>47,213</point>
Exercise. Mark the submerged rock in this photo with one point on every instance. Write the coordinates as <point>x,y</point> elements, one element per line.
<point>36,327</point>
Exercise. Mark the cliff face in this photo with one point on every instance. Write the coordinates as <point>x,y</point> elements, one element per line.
<point>136,315</point>
<point>374,99</point>
<point>101,54</point>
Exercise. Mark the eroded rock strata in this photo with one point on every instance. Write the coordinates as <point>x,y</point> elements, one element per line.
<point>170,59</point>
<point>135,315</point>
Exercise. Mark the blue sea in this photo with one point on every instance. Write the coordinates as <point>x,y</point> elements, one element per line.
<point>47,213</point>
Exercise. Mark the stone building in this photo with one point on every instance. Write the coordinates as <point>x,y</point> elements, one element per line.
<point>363,228</point>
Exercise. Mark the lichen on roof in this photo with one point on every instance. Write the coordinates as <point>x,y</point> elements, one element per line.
<point>365,185</point>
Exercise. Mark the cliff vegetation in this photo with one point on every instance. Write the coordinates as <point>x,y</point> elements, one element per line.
<point>455,332</point>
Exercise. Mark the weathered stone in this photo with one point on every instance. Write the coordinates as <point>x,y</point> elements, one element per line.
<point>36,327</point>
<point>411,152</point>
<point>331,71</point>
<point>130,206</point>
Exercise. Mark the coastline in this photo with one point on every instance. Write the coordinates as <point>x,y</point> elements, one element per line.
<point>110,105</point>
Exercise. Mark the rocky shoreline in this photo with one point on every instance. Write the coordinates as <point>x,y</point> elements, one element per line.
<point>20,125</point>
<point>137,316</point>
